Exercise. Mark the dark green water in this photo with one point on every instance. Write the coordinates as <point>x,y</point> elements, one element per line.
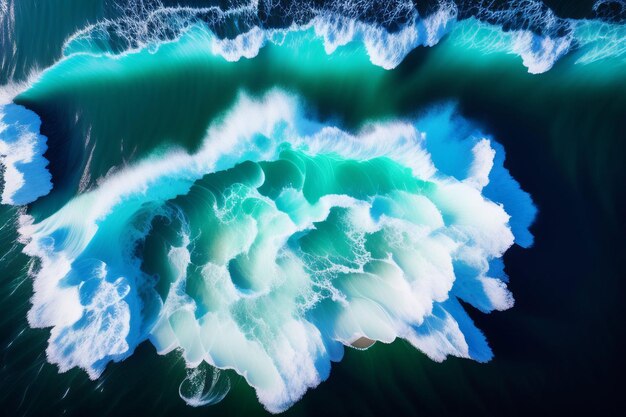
<point>556,351</point>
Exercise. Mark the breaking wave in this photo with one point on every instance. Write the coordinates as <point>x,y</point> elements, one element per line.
<point>278,243</point>
<point>388,32</point>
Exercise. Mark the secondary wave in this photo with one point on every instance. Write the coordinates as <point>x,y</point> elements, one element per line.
<point>278,243</point>
<point>388,32</point>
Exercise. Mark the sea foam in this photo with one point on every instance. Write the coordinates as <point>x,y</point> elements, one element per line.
<point>277,244</point>
<point>528,29</point>
<point>25,175</point>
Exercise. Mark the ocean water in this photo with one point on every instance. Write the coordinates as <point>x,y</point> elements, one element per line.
<point>311,207</point>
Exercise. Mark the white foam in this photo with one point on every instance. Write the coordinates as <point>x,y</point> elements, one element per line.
<point>541,40</point>
<point>482,165</point>
<point>539,53</point>
<point>144,28</point>
<point>385,49</point>
<point>21,154</point>
<point>204,387</point>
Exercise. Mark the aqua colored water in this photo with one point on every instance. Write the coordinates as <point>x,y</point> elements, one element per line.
<point>306,208</point>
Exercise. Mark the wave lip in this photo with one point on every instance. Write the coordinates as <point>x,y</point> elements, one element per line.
<point>26,177</point>
<point>280,242</point>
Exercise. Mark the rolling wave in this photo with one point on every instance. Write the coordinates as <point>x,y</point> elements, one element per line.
<point>526,28</point>
<point>278,243</point>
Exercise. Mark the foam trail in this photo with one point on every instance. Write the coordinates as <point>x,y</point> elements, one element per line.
<point>601,41</point>
<point>204,386</point>
<point>277,244</point>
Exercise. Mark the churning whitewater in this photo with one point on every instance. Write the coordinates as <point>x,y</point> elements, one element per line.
<point>279,242</point>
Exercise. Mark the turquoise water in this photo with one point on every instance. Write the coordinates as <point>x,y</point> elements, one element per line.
<point>218,211</point>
